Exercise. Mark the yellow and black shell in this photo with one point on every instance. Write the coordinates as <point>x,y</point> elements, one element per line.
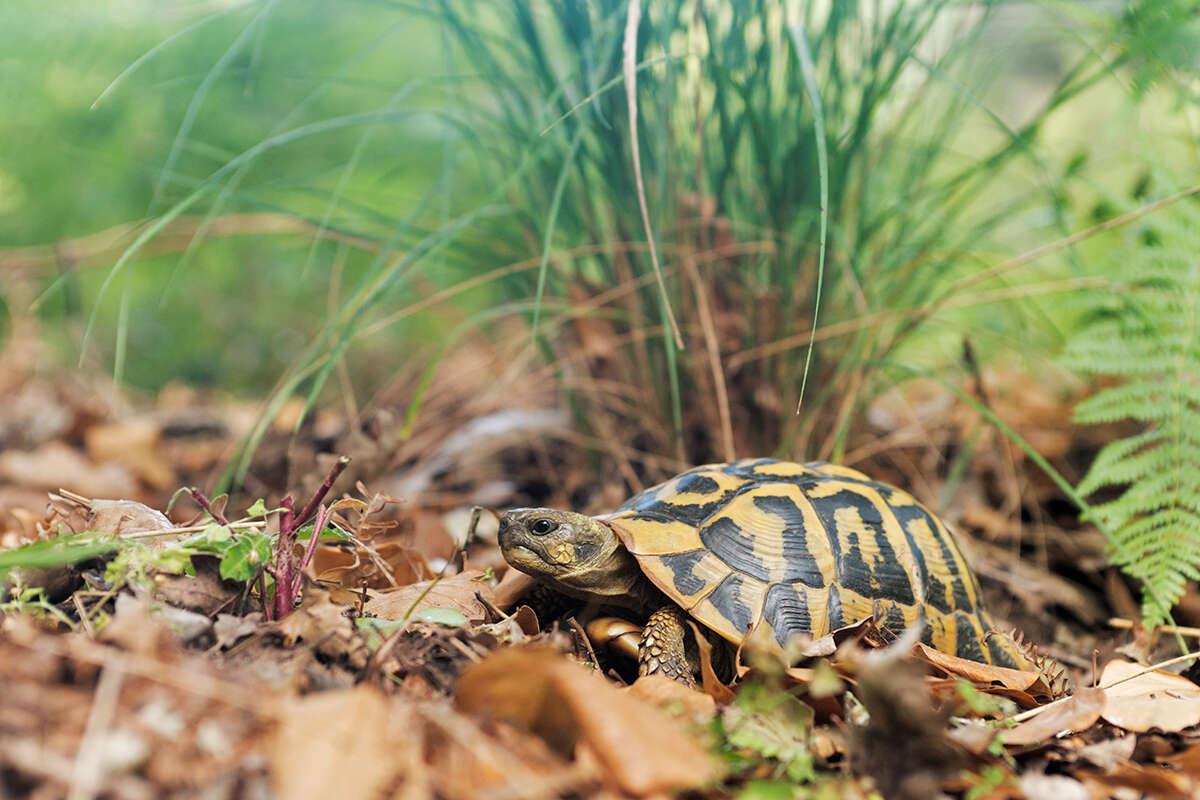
<point>805,549</point>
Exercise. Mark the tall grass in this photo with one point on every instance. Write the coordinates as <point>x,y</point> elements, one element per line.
<point>925,186</point>
<point>921,179</point>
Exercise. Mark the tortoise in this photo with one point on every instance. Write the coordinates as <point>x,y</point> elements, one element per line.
<point>792,548</point>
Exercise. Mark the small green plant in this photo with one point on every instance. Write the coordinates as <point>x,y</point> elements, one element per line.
<point>1145,335</point>
<point>772,723</point>
<point>269,556</point>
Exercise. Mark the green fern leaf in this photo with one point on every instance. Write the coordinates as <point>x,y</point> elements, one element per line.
<point>1145,333</point>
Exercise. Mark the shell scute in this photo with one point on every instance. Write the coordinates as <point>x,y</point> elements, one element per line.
<point>803,549</point>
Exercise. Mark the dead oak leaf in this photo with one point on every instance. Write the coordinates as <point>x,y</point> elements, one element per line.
<point>1075,713</point>
<point>325,626</point>
<point>671,695</point>
<point>1020,680</point>
<point>1138,700</point>
<point>333,744</point>
<point>533,688</point>
<point>1145,781</point>
<point>458,592</point>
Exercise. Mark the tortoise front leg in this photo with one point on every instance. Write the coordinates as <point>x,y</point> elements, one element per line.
<point>663,649</point>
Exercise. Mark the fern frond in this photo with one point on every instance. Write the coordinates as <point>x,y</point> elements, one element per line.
<point>1147,333</point>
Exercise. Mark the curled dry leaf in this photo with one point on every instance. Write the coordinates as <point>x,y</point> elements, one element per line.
<point>1137,700</point>
<point>204,592</point>
<point>126,516</point>
<point>642,750</point>
<point>458,592</point>
<point>230,628</point>
<point>1075,713</point>
<point>325,626</point>
<point>1021,680</point>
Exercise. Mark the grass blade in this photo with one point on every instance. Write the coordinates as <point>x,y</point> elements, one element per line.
<point>809,73</point>
<point>631,29</point>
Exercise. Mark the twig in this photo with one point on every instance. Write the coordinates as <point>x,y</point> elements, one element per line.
<point>83,615</point>
<point>311,508</point>
<point>1033,712</point>
<point>587,642</point>
<point>714,357</point>
<point>1182,630</point>
<point>207,506</point>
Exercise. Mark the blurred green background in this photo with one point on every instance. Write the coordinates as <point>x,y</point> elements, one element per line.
<point>418,145</point>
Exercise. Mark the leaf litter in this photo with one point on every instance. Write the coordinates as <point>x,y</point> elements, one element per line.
<point>410,664</point>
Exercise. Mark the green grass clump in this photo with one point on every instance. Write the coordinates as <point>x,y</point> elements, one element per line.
<point>921,178</point>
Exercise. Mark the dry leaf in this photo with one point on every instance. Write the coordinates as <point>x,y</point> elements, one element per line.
<point>1021,680</point>
<point>324,625</point>
<point>229,628</point>
<point>1076,713</point>
<point>1155,699</point>
<point>126,516</point>
<point>667,693</point>
<point>204,592</point>
<point>1109,753</point>
<point>55,465</point>
<point>641,749</point>
<point>1060,787</point>
<point>512,587</point>
<point>456,592</point>
<point>333,744</point>
<point>1187,760</point>
<point>134,444</point>
<point>1162,783</point>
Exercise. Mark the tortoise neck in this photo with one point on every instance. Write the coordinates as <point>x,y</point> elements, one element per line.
<point>616,580</point>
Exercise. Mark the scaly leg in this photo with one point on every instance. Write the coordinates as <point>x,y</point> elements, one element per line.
<point>663,650</point>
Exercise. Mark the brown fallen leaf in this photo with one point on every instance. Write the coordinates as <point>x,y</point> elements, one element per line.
<point>1021,680</point>
<point>229,628</point>
<point>334,744</point>
<point>535,689</point>
<point>456,592</point>
<point>667,694</point>
<point>1187,760</point>
<point>1162,783</point>
<point>324,625</point>
<point>904,745</point>
<point>1137,700</point>
<point>512,587</point>
<point>1078,712</point>
<point>1109,753</point>
<point>135,444</point>
<point>125,516</point>
<point>204,592</point>
<point>56,465</point>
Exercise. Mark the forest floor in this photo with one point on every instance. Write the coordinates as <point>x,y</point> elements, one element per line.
<point>408,666</point>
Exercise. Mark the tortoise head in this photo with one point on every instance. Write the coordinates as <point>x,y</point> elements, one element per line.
<point>573,552</point>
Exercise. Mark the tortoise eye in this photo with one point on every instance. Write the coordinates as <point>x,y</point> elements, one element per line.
<point>542,526</point>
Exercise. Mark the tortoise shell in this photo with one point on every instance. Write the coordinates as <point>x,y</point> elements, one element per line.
<point>804,549</point>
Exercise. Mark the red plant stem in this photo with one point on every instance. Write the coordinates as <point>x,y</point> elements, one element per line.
<point>282,571</point>
<point>311,508</point>
<point>322,518</point>
<point>287,571</point>
<point>207,506</point>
